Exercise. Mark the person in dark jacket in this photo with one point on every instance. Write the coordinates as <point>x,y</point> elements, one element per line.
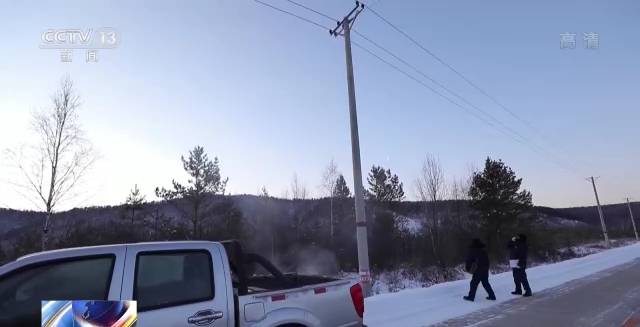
<point>518,253</point>
<point>478,265</point>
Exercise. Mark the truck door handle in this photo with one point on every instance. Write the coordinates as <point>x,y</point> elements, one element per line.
<point>205,317</point>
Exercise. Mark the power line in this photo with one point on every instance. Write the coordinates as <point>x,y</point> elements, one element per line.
<point>312,10</point>
<point>533,128</point>
<point>457,96</point>
<point>291,14</point>
<point>377,3</point>
<point>468,81</point>
<point>547,156</point>
<point>522,141</point>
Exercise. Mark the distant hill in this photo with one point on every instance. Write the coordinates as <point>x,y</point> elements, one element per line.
<point>614,214</point>
<point>14,222</point>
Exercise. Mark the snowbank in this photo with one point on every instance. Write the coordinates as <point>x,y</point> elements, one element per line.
<point>425,306</point>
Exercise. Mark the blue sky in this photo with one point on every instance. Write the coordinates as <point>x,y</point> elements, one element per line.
<point>266,92</point>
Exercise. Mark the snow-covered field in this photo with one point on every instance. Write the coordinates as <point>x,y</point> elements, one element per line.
<point>425,306</point>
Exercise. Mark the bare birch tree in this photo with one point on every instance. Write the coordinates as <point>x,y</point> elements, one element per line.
<point>51,169</point>
<point>458,192</point>
<point>328,189</point>
<point>298,192</point>
<point>298,189</point>
<point>264,225</point>
<point>430,187</point>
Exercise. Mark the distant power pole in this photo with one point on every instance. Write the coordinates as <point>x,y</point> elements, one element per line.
<point>604,226</point>
<point>344,28</point>
<point>633,221</point>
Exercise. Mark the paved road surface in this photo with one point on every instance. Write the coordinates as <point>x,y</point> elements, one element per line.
<point>608,299</point>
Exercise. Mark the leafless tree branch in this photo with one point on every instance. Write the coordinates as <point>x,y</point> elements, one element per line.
<point>431,187</point>
<point>328,188</point>
<point>58,162</point>
<point>298,189</point>
<point>329,177</point>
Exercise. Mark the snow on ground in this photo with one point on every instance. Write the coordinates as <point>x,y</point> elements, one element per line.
<point>562,222</point>
<point>426,306</point>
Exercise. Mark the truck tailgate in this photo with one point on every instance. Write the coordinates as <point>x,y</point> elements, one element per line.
<point>332,304</point>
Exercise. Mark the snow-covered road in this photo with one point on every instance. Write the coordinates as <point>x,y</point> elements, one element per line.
<point>438,303</point>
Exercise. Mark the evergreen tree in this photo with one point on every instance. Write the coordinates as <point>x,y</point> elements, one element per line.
<point>384,234</point>
<point>383,186</point>
<point>135,200</point>
<point>205,181</point>
<point>496,197</point>
<point>341,189</point>
<point>160,225</point>
<point>133,205</point>
<point>228,221</point>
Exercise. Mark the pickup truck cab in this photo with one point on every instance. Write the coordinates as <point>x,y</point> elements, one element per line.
<point>178,284</point>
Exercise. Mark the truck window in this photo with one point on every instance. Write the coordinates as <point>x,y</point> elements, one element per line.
<point>169,279</point>
<point>22,291</point>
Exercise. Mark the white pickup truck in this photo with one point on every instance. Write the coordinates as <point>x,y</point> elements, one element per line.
<point>178,284</point>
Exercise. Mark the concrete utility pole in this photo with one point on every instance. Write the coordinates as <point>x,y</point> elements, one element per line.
<point>633,221</point>
<point>344,28</point>
<point>604,226</point>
